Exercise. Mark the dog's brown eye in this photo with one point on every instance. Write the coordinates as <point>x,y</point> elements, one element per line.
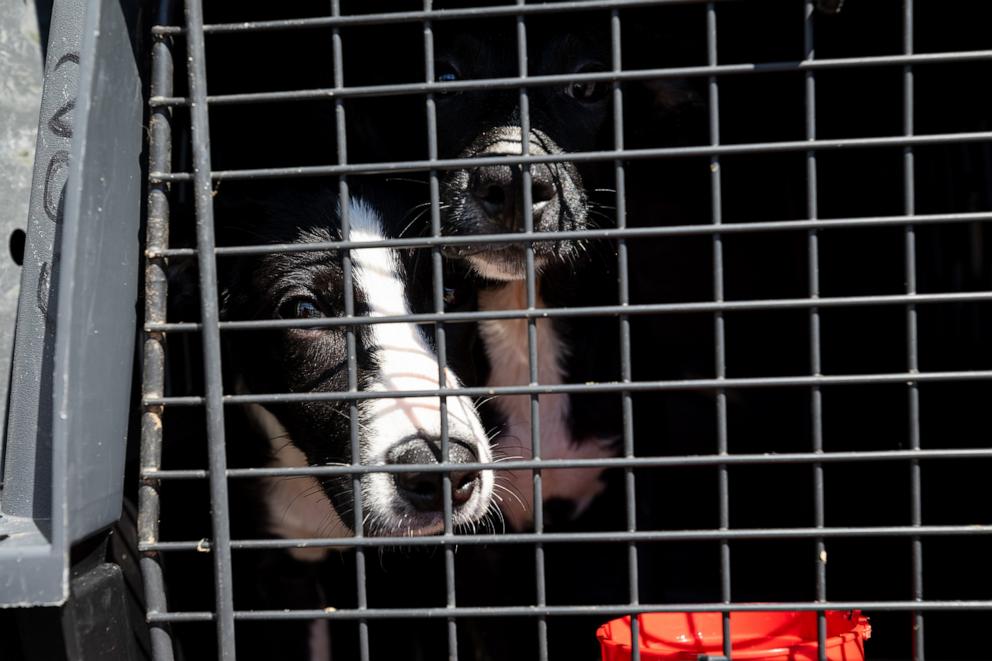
<point>300,308</point>
<point>587,91</point>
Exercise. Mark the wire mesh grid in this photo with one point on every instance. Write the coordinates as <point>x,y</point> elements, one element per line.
<point>175,40</point>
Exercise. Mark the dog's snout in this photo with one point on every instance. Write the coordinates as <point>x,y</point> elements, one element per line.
<point>489,199</point>
<point>542,186</point>
<point>424,490</point>
<point>493,189</point>
<point>498,189</point>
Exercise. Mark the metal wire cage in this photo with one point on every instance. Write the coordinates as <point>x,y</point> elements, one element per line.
<point>800,315</point>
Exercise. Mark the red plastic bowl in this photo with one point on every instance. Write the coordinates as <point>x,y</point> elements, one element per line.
<point>755,635</point>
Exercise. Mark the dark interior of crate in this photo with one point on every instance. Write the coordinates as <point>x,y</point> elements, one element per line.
<point>759,186</point>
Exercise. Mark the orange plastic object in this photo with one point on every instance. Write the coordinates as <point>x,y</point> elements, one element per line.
<point>755,635</point>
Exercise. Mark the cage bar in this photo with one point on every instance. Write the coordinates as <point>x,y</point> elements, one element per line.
<point>636,386</point>
<point>437,14</point>
<point>816,395</point>
<point>558,611</point>
<point>865,222</point>
<point>617,462</point>
<point>912,354</point>
<point>437,280</point>
<point>209,311</point>
<point>154,356</point>
<point>623,298</point>
<point>615,76</point>
<point>783,146</point>
<point>720,351</point>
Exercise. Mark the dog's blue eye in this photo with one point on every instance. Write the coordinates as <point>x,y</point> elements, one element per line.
<point>446,72</point>
<point>300,308</point>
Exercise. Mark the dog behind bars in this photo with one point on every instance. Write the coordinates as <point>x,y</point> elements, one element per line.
<point>297,290</point>
<point>489,200</point>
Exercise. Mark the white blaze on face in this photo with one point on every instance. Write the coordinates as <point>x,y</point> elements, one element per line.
<point>404,361</point>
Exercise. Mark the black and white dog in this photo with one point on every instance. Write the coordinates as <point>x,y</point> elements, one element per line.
<point>309,358</point>
<point>303,288</point>
<point>391,357</point>
<point>488,200</point>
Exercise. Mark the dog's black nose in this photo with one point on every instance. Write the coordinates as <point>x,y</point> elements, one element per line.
<point>494,195</point>
<point>498,191</point>
<point>424,490</point>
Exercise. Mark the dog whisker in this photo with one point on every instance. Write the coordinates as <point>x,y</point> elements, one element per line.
<point>509,457</point>
<point>512,494</point>
<point>407,180</point>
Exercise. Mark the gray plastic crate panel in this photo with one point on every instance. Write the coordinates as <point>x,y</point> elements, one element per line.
<point>21,73</point>
<point>74,342</point>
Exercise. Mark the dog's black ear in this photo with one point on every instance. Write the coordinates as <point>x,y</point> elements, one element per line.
<point>662,112</point>
<point>671,96</point>
<point>237,217</point>
<point>184,288</point>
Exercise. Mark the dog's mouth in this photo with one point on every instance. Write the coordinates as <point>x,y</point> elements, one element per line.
<point>505,261</point>
<point>414,498</point>
<point>389,512</point>
<point>417,508</point>
<point>421,524</point>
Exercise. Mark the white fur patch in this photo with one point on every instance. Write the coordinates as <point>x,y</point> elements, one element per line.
<point>405,362</point>
<point>507,349</point>
<point>494,269</point>
<point>510,145</point>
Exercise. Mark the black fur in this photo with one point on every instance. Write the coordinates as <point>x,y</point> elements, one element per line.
<point>295,360</point>
<point>482,123</point>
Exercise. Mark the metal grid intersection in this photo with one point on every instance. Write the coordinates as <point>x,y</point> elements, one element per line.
<point>163,103</point>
